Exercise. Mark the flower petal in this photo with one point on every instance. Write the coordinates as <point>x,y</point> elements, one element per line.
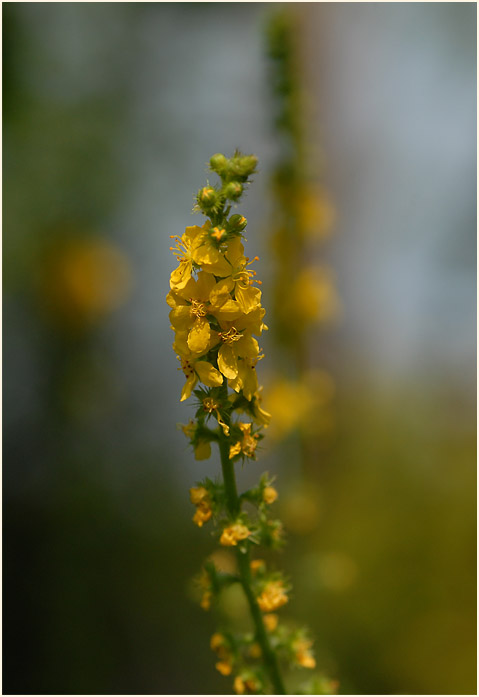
<point>221,291</point>
<point>199,336</point>
<point>208,374</point>
<point>247,347</point>
<point>227,362</point>
<point>180,317</point>
<point>188,387</point>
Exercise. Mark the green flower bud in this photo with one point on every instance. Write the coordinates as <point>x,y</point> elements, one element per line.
<point>207,198</point>
<point>219,164</point>
<point>233,190</point>
<point>247,164</point>
<point>237,223</point>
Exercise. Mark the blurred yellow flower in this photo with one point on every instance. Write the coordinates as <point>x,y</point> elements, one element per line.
<point>269,494</point>
<point>233,534</point>
<point>273,596</point>
<point>84,280</point>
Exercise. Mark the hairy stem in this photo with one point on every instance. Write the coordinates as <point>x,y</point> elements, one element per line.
<point>234,506</point>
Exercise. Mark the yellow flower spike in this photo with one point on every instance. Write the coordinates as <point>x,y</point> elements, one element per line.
<point>270,621</point>
<point>273,596</point>
<point>269,494</point>
<point>233,534</point>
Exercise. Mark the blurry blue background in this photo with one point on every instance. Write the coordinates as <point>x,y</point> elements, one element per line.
<point>111,111</point>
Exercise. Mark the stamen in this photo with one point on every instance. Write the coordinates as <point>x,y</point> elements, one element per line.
<point>230,336</point>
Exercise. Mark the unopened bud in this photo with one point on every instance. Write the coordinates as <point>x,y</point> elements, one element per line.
<point>233,190</point>
<point>247,164</point>
<point>206,197</point>
<point>237,223</point>
<point>219,163</point>
<point>218,234</point>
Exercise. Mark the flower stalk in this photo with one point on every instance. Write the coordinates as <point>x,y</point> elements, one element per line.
<point>216,314</point>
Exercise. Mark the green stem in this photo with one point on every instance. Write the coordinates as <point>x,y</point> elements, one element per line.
<point>234,506</point>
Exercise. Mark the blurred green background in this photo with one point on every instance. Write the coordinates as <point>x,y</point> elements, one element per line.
<point>111,111</point>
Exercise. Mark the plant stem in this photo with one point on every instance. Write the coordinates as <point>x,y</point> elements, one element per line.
<point>269,656</point>
<point>233,503</point>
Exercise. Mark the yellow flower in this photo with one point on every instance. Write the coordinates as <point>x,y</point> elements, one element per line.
<point>185,247</point>
<point>205,603</point>
<point>202,450</point>
<point>202,515</point>
<point>198,494</point>
<point>210,406</point>
<point>233,534</point>
<point>207,255</point>
<point>270,621</point>
<point>269,494</point>
<point>191,305</point>
<point>246,379</point>
<point>224,667</point>
<point>303,655</point>
<point>273,596</point>
<point>245,685</point>
<point>197,369</point>
<point>239,685</point>
<point>257,565</point>
<point>200,497</point>
<point>216,641</point>
<point>247,445</point>
<point>240,280</point>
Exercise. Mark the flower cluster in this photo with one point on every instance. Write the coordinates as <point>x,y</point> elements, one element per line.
<point>217,317</point>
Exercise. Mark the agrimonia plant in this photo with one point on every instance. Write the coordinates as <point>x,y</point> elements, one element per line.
<point>216,315</point>
<point>304,294</point>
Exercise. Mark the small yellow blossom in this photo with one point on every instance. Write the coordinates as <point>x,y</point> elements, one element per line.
<point>269,494</point>
<point>184,250</point>
<point>202,450</point>
<point>206,599</point>
<point>273,596</point>
<point>193,370</point>
<point>245,686</point>
<point>303,655</point>
<point>233,534</point>
<point>247,445</point>
<point>192,303</point>
<point>200,497</point>
<point>202,516</point>
<point>270,621</point>
<point>257,565</point>
<point>224,667</point>
<point>210,405</point>
<point>239,686</point>
<point>216,641</point>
